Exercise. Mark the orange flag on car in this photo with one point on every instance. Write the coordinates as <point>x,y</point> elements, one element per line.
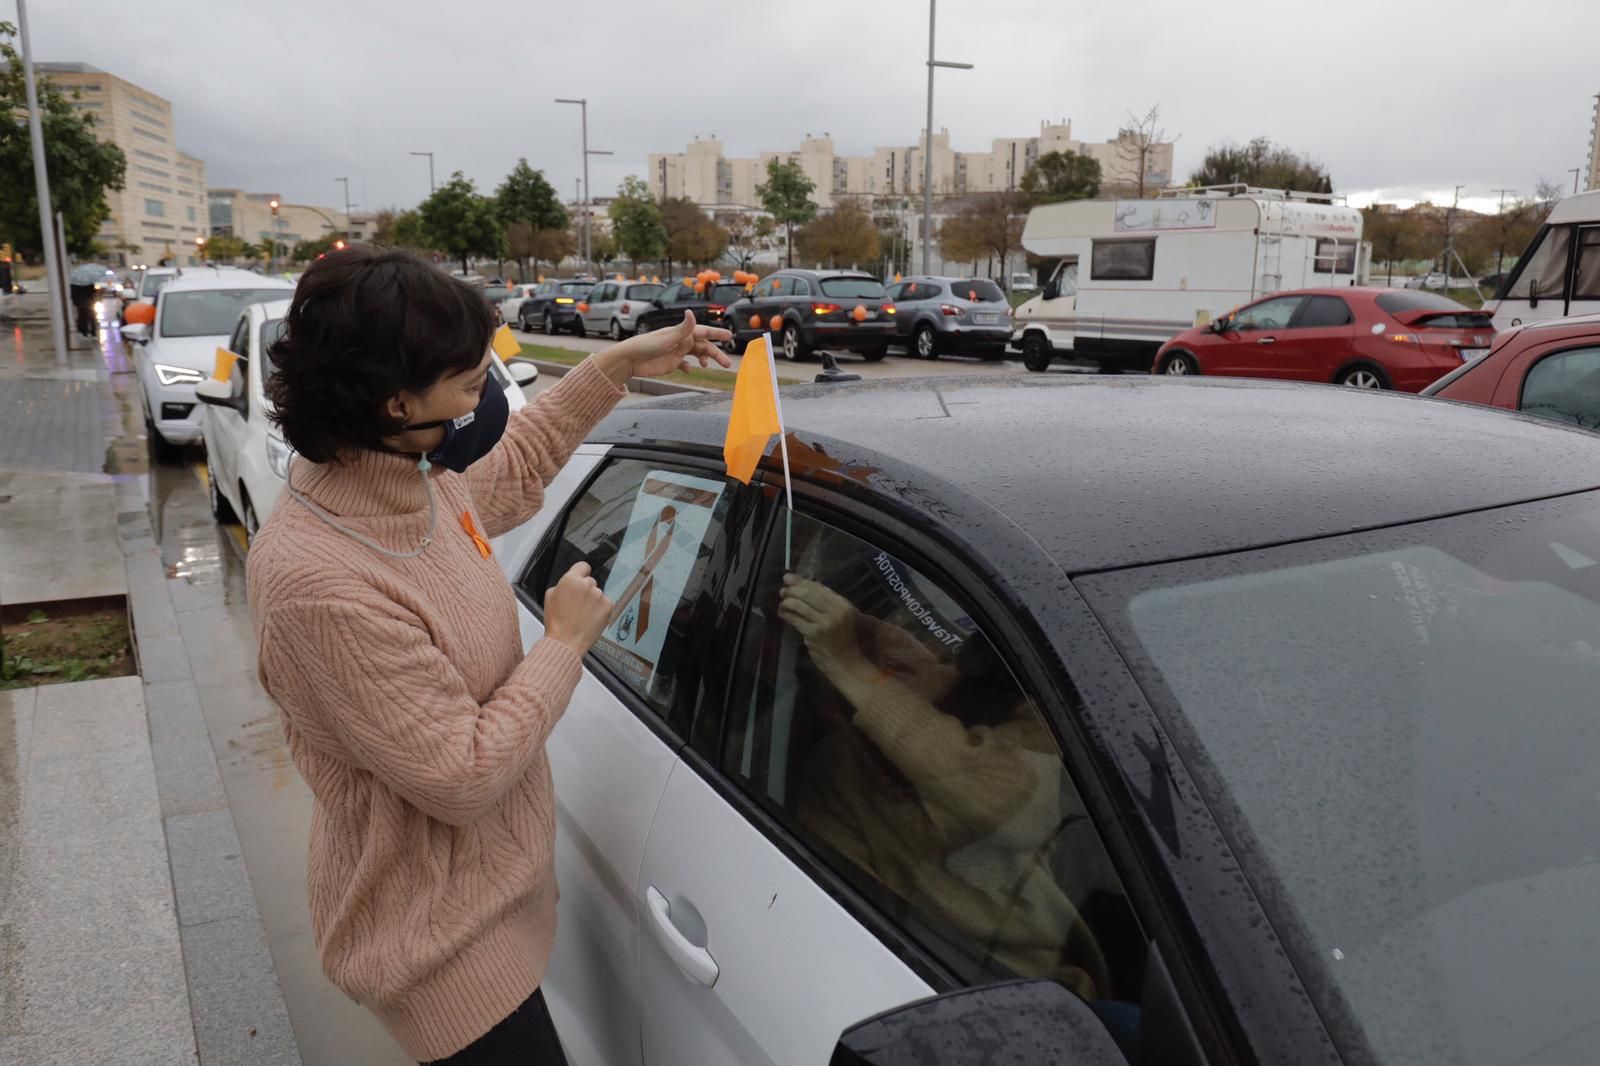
<point>754,418</point>
<point>505,345</point>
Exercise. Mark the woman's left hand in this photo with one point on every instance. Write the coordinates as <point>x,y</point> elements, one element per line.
<point>664,350</point>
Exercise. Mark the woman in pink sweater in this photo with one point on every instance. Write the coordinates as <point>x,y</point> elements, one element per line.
<point>389,639</point>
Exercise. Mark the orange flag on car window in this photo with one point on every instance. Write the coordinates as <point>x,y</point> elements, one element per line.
<point>505,345</point>
<point>224,364</point>
<point>754,418</point>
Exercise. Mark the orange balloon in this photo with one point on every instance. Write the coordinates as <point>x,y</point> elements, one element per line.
<point>776,324</point>
<point>859,314</point>
<point>755,321</point>
<point>583,309</point>
<point>700,286</point>
<point>140,315</point>
<point>897,277</point>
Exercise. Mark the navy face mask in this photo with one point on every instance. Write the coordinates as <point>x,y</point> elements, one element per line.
<point>472,436</point>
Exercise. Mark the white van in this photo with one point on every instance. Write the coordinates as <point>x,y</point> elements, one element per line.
<point>1129,275</point>
<point>1559,273</point>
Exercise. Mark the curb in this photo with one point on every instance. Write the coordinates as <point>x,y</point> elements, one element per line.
<point>646,386</point>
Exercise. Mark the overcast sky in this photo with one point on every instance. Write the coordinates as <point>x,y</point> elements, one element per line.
<point>1404,98</point>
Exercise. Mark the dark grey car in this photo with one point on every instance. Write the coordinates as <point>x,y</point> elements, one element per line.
<point>939,315</point>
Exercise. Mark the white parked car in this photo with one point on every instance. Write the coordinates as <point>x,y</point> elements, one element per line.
<point>151,281</point>
<point>1434,280</point>
<point>247,457</point>
<point>614,306</point>
<point>512,304</point>
<point>195,315</point>
<point>1023,282</point>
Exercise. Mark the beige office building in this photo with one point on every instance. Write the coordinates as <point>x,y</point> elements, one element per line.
<point>248,216</point>
<point>162,208</point>
<point>1594,148</point>
<point>702,172</point>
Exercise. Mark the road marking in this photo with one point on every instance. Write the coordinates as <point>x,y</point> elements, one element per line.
<point>235,531</point>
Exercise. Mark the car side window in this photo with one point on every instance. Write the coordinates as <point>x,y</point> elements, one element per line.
<point>782,286</point>
<point>239,342</point>
<point>1565,387</point>
<point>1323,312</point>
<point>1268,314</point>
<point>763,289</point>
<point>875,720</point>
<point>646,530</point>
<point>799,287</point>
<point>892,293</point>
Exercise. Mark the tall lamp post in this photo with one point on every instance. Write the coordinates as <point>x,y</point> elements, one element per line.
<point>430,170</point>
<point>41,183</point>
<point>583,105</point>
<point>927,145</point>
<point>346,183</point>
<point>272,260</point>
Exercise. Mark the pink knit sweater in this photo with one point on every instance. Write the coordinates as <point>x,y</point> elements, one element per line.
<point>412,713</point>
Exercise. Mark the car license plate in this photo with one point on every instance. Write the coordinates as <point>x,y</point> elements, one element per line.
<point>1469,354</point>
<point>986,320</point>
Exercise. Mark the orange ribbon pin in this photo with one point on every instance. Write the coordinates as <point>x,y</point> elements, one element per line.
<point>477,538</point>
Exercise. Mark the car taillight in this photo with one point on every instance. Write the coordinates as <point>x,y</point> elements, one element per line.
<point>717,309</point>
<point>889,309</point>
<point>825,309</point>
<point>1405,338</point>
<point>949,310</point>
<point>625,309</point>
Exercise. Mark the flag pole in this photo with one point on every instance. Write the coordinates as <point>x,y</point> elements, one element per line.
<point>783,449</point>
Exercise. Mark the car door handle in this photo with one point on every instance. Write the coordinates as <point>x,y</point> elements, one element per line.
<point>689,957</point>
<point>1267,340</point>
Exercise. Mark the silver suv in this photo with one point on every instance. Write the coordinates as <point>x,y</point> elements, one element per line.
<point>937,315</point>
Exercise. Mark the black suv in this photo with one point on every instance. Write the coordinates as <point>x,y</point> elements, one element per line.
<point>840,310</point>
<point>554,304</point>
<point>710,306</point>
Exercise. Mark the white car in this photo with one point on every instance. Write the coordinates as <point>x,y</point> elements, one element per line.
<point>247,457</point>
<point>1434,280</point>
<point>195,315</point>
<point>511,306</point>
<point>151,281</point>
<point>614,306</point>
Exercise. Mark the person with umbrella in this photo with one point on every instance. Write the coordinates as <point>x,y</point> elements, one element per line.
<point>81,284</point>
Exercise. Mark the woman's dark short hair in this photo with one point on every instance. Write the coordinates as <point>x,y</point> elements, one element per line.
<point>362,326</point>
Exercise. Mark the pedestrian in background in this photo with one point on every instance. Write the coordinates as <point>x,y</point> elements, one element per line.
<point>389,638</point>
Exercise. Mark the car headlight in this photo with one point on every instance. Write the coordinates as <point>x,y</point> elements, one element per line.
<point>278,452</point>
<point>177,375</point>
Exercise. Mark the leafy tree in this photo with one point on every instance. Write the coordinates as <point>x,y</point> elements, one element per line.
<point>741,231</point>
<point>554,245</point>
<point>844,236</point>
<point>1061,176</point>
<point>959,239</point>
<point>1396,235</point>
<point>692,236</point>
<point>988,227</point>
<point>460,222</point>
<point>1264,164</point>
<point>81,167</point>
<point>636,224</point>
<point>525,196</point>
<point>224,249</point>
<point>894,245</point>
<point>602,246</point>
<point>786,196</point>
<point>305,251</point>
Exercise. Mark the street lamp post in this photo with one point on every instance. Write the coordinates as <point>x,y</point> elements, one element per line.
<point>430,170</point>
<point>583,105</point>
<point>272,260</point>
<point>41,182</point>
<point>927,144</point>
<point>346,183</point>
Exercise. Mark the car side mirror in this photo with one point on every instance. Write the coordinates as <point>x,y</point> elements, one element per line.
<point>1533,292</point>
<point>218,394</point>
<point>138,333</point>
<point>1011,1022</point>
<point>1052,289</point>
<point>1220,325</point>
<point>523,371</point>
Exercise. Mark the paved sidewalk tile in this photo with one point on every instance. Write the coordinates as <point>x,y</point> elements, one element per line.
<point>58,537</point>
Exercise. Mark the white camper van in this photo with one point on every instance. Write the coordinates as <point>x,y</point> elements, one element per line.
<point>1129,275</point>
<point>1559,273</point>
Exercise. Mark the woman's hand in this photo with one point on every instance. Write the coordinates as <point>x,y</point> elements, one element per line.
<point>662,351</point>
<point>576,611</point>
<point>827,621</point>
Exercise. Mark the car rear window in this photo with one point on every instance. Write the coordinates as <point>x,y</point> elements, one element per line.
<point>576,288</point>
<point>859,288</point>
<point>1402,300</point>
<point>210,312</point>
<point>977,289</point>
<point>644,292</point>
<point>151,284</point>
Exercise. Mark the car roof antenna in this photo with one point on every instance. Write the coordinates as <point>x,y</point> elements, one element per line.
<point>831,374</point>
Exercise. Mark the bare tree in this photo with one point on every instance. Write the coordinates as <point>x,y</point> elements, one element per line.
<point>1138,141</point>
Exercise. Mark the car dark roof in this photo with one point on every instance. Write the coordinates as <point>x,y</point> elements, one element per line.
<point>1105,472</point>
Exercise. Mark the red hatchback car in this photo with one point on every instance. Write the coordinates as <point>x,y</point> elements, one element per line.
<point>1369,338</point>
<point>1550,369</point>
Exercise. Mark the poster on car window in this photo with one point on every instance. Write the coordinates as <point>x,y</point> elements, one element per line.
<point>647,582</point>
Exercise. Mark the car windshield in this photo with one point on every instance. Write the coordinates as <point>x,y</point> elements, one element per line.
<point>977,290</point>
<point>208,312</point>
<point>1399,301</point>
<point>1402,727</point>
<point>576,288</point>
<point>860,288</point>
